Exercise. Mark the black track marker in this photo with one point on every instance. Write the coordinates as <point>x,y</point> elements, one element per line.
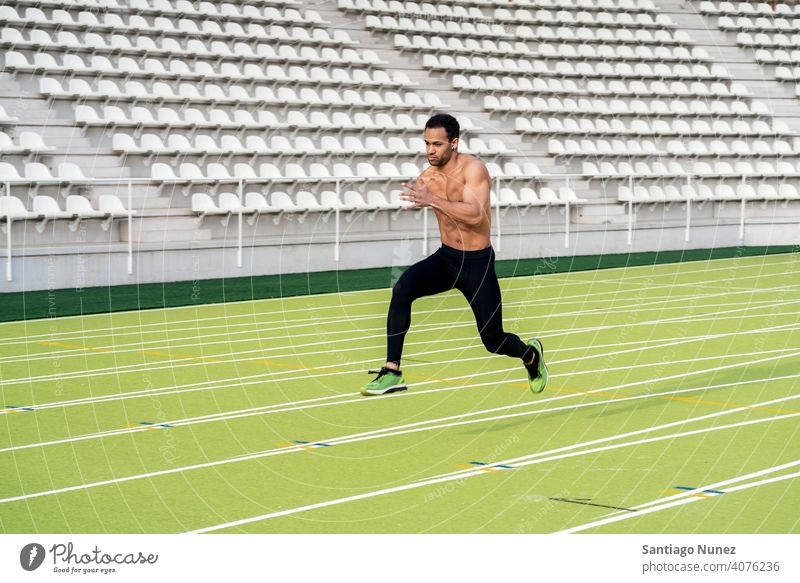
<point>585,501</point>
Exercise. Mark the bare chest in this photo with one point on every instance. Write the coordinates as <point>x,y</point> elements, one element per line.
<point>446,187</point>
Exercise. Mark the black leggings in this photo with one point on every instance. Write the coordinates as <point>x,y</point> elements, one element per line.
<point>471,273</point>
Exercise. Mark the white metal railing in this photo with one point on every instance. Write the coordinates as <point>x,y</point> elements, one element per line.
<point>339,180</point>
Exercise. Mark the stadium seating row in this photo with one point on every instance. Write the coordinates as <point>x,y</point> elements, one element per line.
<point>77,4</point>
<point>704,192</point>
<point>778,56</point>
<point>588,48</point>
<point>195,48</point>
<point>416,9</point>
<point>135,23</point>
<point>192,118</point>
<point>746,25</point>
<point>188,93</point>
<point>428,25</point>
<point>567,33</point>
<point>784,41</point>
<point>279,202</point>
<point>586,70</point>
<point>623,52</point>
<point>787,73</point>
<point>400,18</point>
<point>254,33</point>
<point>46,208</point>
<point>603,35</point>
<point>553,85</point>
<point>748,8</point>
<point>618,107</point>
<point>677,148</point>
<point>583,18</point>
<point>539,66</point>
<point>225,10</point>
<point>66,172</point>
<point>189,172</point>
<point>180,70</point>
<point>270,35</point>
<point>597,5</point>
<point>781,168</point>
<point>166,7</point>
<point>650,127</point>
<point>467,46</point>
<point>27,143</point>
<point>615,88</point>
<point>152,144</point>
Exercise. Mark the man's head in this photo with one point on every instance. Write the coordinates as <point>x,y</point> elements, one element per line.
<point>441,138</point>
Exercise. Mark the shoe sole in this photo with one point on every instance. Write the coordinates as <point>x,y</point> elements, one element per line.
<point>389,391</point>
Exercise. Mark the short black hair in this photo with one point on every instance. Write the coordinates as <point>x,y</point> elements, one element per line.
<point>446,121</point>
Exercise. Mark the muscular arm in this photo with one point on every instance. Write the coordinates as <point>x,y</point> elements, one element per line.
<point>470,210</point>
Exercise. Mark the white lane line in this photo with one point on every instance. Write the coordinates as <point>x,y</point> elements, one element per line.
<point>363,437</point>
<point>161,343</point>
<point>264,353</point>
<point>421,426</point>
<point>687,497</point>
<point>418,328</point>
<point>122,332</point>
<point>745,263</point>
<point>742,478</point>
<point>276,315</point>
<point>357,399</point>
<point>790,258</point>
<point>479,472</point>
<point>229,340</point>
<point>679,423</point>
<point>265,378</point>
<point>260,379</point>
<point>123,369</point>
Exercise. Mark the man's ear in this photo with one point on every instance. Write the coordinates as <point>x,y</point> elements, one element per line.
<point>454,144</point>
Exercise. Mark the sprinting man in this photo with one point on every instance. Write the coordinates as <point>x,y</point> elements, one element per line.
<point>456,186</point>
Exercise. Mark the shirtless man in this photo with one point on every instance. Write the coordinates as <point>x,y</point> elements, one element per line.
<point>456,186</point>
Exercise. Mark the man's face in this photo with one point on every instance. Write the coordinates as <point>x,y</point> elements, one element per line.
<point>437,147</point>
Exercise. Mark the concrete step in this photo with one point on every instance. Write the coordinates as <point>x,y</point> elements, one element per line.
<point>169,222</point>
<point>151,203</point>
<point>8,82</point>
<point>166,229</point>
<point>602,213</point>
<point>146,236</point>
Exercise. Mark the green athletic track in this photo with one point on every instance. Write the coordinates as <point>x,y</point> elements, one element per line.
<point>673,407</point>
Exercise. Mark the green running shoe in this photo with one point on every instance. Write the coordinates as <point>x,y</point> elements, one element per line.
<point>388,381</point>
<point>537,377</point>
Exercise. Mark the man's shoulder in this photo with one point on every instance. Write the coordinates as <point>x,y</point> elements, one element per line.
<point>474,167</point>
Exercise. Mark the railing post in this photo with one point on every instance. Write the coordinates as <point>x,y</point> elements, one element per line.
<point>499,240</point>
<point>424,230</point>
<point>338,203</point>
<point>630,211</point>
<point>130,228</point>
<point>566,219</point>
<point>239,243</point>
<point>688,208</point>
<point>741,214</point>
<point>9,274</point>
